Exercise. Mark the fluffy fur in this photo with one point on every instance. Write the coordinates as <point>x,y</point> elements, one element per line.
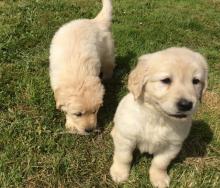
<point>79,52</point>
<point>149,117</point>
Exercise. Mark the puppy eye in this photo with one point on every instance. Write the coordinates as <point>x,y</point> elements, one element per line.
<point>195,81</point>
<point>166,81</point>
<point>94,111</point>
<point>78,114</point>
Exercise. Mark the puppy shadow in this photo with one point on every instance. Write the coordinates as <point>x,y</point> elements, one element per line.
<point>196,143</point>
<point>113,89</point>
<point>194,146</point>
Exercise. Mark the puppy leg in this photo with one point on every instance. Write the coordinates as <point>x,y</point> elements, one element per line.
<point>107,69</point>
<point>122,158</point>
<point>158,170</point>
<point>108,60</point>
<point>121,165</point>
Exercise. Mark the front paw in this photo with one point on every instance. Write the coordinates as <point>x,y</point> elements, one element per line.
<point>119,173</point>
<point>159,178</point>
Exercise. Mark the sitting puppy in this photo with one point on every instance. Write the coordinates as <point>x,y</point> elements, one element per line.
<point>79,52</point>
<point>156,116</point>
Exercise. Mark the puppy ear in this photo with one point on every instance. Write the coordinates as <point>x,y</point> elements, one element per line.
<point>137,77</point>
<point>59,102</point>
<point>204,87</point>
<point>205,73</point>
<point>93,87</point>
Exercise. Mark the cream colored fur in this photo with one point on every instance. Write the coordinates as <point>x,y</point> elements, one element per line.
<point>144,116</point>
<point>79,52</point>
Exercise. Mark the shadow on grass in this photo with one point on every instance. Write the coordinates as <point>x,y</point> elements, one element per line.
<point>194,146</point>
<point>112,88</point>
<point>197,141</point>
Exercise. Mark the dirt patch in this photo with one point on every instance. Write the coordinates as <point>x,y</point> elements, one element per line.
<point>202,162</point>
<point>212,100</point>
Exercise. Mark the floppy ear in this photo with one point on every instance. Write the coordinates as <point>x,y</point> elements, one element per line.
<point>93,89</point>
<point>137,77</point>
<point>58,99</point>
<point>203,89</point>
<point>204,86</point>
<point>205,72</point>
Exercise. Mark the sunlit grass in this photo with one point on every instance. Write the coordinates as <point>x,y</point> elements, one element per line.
<point>34,152</point>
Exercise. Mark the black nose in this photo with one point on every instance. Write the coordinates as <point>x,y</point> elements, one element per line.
<point>89,130</point>
<point>184,105</point>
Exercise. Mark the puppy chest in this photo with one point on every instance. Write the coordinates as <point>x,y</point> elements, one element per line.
<point>154,139</point>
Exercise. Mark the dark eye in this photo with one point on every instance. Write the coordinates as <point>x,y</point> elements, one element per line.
<point>78,114</point>
<point>166,81</point>
<point>94,111</point>
<point>195,81</point>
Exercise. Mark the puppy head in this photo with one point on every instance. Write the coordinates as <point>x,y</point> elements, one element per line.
<point>81,102</point>
<point>172,80</point>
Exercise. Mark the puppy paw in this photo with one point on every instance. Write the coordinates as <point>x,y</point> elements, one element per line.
<point>119,173</point>
<point>159,178</point>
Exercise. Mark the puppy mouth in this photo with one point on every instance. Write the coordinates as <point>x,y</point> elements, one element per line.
<point>176,116</point>
<point>179,116</point>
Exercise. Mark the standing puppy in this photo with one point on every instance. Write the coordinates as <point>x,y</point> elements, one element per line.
<point>79,52</point>
<point>156,116</point>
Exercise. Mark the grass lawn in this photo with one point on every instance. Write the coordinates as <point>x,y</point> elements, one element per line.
<point>34,152</point>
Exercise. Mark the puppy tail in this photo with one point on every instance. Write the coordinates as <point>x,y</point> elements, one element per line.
<point>105,15</point>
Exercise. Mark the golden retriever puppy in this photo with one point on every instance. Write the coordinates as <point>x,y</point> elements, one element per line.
<point>156,116</point>
<point>79,52</point>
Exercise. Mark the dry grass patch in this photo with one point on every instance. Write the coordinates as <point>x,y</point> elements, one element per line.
<point>212,101</point>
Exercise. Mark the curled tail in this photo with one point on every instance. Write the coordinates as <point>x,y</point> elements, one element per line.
<point>105,15</point>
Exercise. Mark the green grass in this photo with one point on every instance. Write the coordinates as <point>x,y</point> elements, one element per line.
<point>33,150</point>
